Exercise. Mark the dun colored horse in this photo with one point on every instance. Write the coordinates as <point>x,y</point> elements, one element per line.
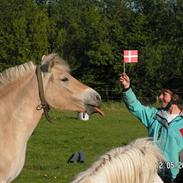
<point>134,163</point>
<point>26,92</point>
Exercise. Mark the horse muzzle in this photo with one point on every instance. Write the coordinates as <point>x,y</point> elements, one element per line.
<point>90,109</point>
<point>92,102</point>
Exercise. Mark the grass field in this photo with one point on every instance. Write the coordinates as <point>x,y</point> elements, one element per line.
<point>51,144</point>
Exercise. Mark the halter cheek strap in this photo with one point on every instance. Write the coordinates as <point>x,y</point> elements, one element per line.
<point>44,105</point>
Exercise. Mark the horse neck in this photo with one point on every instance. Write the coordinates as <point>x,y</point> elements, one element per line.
<point>22,103</point>
<point>33,100</point>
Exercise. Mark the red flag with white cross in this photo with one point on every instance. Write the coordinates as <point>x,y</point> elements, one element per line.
<point>130,56</point>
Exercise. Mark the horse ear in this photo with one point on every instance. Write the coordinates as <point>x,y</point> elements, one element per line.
<point>43,57</point>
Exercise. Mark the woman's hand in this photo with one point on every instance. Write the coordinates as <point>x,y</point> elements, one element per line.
<point>125,81</point>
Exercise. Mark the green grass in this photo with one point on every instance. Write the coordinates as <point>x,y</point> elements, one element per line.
<point>51,144</point>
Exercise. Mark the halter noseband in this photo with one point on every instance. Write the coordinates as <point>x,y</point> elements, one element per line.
<point>44,105</point>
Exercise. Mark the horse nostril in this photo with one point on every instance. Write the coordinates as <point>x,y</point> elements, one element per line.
<point>98,98</point>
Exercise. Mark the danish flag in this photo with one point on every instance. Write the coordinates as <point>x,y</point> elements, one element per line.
<point>130,56</point>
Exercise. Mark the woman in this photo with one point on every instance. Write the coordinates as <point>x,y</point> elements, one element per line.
<point>165,125</point>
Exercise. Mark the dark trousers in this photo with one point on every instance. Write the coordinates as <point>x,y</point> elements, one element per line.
<point>167,180</point>
<point>179,178</point>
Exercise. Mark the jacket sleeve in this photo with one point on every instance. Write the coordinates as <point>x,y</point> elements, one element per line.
<point>144,113</point>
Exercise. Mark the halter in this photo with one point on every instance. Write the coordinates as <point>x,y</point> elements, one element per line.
<point>44,105</point>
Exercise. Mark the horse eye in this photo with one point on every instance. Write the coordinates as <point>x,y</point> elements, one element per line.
<point>64,79</point>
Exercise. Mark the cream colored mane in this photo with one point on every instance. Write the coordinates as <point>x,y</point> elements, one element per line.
<point>15,73</point>
<point>134,163</point>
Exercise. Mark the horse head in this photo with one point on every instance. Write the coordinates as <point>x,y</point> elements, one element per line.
<point>63,91</point>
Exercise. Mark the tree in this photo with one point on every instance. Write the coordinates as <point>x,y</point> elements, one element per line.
<point>92,34</point>
<point>24,32</point>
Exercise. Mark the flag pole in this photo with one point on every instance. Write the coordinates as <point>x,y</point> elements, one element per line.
<point>123,67</point>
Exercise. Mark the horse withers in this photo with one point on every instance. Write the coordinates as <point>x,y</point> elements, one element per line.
<point>27,91</point>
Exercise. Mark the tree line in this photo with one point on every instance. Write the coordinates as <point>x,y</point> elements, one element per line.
<point>91,36</point>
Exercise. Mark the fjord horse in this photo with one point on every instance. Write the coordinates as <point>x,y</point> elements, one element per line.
<point>133,163</point>
<point>26,92</point>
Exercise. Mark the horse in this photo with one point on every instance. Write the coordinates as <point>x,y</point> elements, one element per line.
<point>27,92</point>
<point>136,162</point>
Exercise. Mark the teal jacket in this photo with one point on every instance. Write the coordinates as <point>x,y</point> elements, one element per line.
<point>167,136</point>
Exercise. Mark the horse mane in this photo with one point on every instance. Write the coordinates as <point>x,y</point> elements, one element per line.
<point>17,72</point>
<point>14,73</point>
<point>133,163</point>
